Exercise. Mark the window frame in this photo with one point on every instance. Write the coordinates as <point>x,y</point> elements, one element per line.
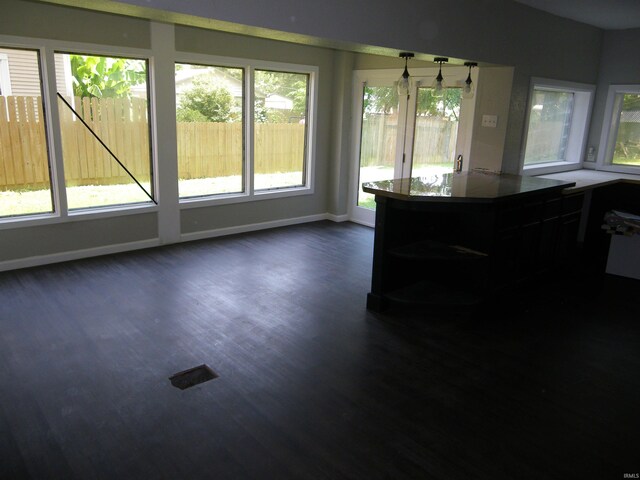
<point>9,222</point>
<point>306,134</point>
<point>48,47</point>
<point>609,134</point>
<point>61,214</point>
<point>250,65</point>
<point>152,163</point>
<point>578,129</point>
<point>245,116</point>
<point>5,76</point>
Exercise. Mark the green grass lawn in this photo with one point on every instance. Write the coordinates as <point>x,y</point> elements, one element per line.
<point>633,161</point>
<point>30,202</point>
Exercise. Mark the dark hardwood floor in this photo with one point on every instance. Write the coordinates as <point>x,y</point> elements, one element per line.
<point>311,385</point>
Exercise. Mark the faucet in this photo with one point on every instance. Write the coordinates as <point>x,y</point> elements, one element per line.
<point>458,166</point>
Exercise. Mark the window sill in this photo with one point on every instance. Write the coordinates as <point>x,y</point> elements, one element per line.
<point>619,169</point>
<point>588,179</point>
<point>226,199</point>
<point>112,211</point>
<point>551,167</point>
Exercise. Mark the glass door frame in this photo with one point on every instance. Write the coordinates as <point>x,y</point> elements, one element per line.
<point>454,77</point>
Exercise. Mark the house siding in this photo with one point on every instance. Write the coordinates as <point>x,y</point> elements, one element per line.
<point>23,72</point>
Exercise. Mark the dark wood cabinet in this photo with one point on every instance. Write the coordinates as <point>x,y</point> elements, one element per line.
<point>458,250</point>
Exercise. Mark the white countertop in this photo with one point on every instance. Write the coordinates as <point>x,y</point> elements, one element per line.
<point>586,179</point>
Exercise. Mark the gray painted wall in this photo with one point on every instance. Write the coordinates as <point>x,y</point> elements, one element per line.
<point>108,29</point>
<point>30,19</point>
<point>53,22</point>
<point>76,235</point>
<point>196,40</point>
<point>619,66</point>
<point>500,32</point>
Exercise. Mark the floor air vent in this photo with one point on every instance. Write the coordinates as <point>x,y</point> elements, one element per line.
<point>192,376</point>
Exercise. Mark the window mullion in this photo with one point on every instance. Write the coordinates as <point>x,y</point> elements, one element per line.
<point>249,130</point>
<point>54,135</point>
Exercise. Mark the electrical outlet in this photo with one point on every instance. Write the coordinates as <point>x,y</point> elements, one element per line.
<point>490,121</point>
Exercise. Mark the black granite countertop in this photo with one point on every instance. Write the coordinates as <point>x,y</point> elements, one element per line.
<point>476,186</point>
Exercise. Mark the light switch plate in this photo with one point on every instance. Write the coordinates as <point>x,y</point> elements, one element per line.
<point>490,121</point>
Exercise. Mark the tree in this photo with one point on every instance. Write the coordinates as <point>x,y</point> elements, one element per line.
<point>380,99</point>
<point>385,100</point>
<point>289,85</point>
<point>106,77</point>
<point>630,102</point>
<point>447,106</point>
<point>207,102</point>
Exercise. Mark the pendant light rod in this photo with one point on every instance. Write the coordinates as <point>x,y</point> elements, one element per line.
<point>403,82</point>
<point>467,90</point>
<point>406,56</point>
<point>440,60</point>
<point>438,85</point>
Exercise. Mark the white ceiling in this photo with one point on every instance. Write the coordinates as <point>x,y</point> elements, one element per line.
<point>606,14</point>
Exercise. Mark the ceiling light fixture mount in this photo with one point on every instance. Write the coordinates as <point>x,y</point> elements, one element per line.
<point>467,90</point>
<point>438,85</point>
<point>403,81</point>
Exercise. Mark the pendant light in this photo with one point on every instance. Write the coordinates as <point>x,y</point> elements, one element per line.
<point>403,81</point>
<point>438,85</point>
<point>467,90</point>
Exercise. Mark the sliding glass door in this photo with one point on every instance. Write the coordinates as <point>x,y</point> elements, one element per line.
<point>379,138</point>
<point>398,136</point>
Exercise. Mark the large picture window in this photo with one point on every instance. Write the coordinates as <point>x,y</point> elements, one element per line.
<point>217,107</point>
<point>25,179</point>
<point>557,123</point>
<point>245,130</point>
<point>104,122</point>
<point>549,126</point>
<point>210,129</point>
<point>280,129</point>
<point>621,134</point>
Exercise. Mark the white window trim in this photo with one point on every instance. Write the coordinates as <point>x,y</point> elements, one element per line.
<point>420,77</point>
<point>609,134</point>
<point>61,214</point>
<point>47,48</point>
<point>580,117</point>
<point>5,78</point>
<point>249,66</point>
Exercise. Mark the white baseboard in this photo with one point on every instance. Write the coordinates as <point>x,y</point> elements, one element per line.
<point>126,247</point>
<point>252,227</point>
<point>76,254</point>
<point>362,222</point>
<point>337,218</point>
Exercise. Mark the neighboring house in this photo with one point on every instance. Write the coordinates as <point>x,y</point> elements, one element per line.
<point>19,73</point>
<point>19,77</point>
<point>186,76</point>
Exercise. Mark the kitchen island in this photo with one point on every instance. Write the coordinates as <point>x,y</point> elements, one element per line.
<point>456,240</point>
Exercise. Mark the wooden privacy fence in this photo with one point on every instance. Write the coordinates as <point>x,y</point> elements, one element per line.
<point>23,148</point>
<point>205,150</point>
<point>434,140</point>
<point>121,124</point>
